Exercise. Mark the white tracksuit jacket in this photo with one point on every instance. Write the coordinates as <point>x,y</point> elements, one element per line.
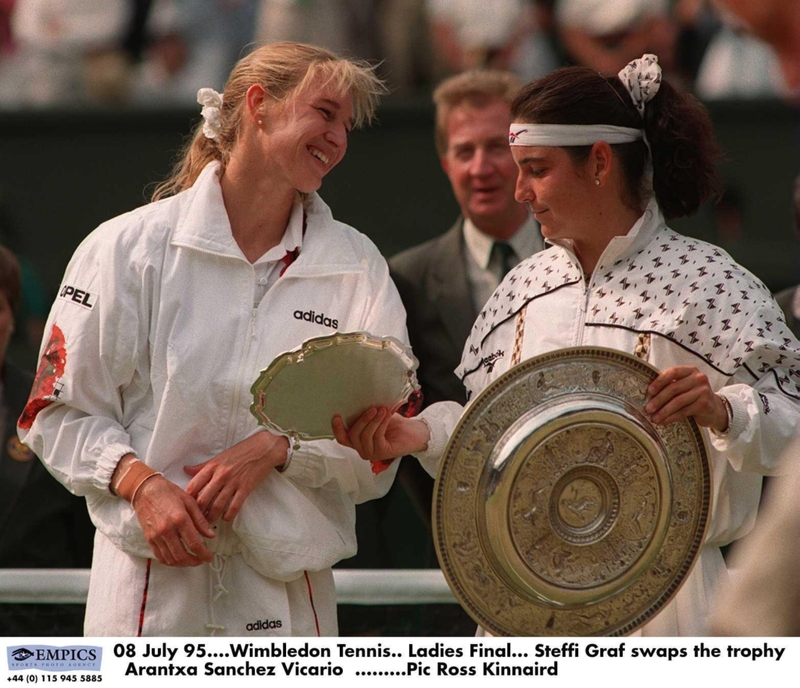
<point>153,346</point>
<point>700,309</point>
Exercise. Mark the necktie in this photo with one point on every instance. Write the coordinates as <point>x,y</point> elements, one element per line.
<point>506,255</point>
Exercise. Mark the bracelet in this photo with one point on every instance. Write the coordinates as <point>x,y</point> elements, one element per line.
<point>130,479</point>
<point>294,445</point>
<point>114,486</point>
<point>729,411</point>
<point>430,432</point>
<point>142,482</point>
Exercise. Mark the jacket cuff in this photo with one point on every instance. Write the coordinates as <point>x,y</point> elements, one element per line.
<point>107,464</point>
<point>439,432</point>
<point>297,467</point>
<point>738,420</point>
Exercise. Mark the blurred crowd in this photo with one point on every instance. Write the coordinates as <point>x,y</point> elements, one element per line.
<point>160,52</point>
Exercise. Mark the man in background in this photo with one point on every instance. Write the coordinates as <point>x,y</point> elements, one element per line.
<point>445,282</point>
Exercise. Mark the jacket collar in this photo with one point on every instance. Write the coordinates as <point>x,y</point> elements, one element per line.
<point>643,230</point>
<point>203,222</point>
<point>549,271</point>
<point>203,225</point>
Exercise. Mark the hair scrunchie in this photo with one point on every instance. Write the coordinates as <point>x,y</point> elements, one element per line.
<point>211,112</point>
<point>642,79</point>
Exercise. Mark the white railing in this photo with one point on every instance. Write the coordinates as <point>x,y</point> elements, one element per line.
<point>353,586</point>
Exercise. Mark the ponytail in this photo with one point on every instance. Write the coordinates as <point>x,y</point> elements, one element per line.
<point>195,156</point>
<point>684,151</point>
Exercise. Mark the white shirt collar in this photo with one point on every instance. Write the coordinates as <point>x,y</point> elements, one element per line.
<point>292,238</point>
<point>525,241</point>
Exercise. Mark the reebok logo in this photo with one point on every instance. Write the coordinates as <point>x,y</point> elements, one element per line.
<point>489,361</point>
<point>318,318</point>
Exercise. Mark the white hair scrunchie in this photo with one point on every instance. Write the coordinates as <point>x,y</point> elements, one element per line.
<point>642,79</point>
<point>211,112</point>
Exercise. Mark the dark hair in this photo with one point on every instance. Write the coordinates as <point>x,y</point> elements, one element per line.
<point>677,125</point>
<point>10,280</point>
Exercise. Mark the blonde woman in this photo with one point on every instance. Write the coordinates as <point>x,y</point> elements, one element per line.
<point>207,523</point>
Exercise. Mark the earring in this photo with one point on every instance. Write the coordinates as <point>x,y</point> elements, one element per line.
<point>597,182</point>
<point>260,122</point>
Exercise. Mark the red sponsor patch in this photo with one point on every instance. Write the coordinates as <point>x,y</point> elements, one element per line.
<point>51,368</point>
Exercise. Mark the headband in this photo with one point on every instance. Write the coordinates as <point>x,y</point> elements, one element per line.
<point>211,112</point>
<point>641,78</point>
<point>570,134</point>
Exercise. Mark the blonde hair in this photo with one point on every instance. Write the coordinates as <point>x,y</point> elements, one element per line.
<point>283,70</point>
<point>476,87</point>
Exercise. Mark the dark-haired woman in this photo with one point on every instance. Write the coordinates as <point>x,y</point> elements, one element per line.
<point>601,162</point>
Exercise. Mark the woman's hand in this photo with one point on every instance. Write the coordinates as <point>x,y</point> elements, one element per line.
<point>173,524</point>
<point>682,392</point>
<point>379,435</point>
<point>221,484</point>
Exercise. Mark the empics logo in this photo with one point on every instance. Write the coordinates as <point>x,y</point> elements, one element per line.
<point>318,318</point>
<point>52,658</point>
<point>79,296</point>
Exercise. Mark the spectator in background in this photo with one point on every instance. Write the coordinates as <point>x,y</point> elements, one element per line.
<point>70,51</point>
<point>392,31</point>
<point>41,524</point>
<point>504,34</point>
<point>445,282</point>
<point>323,22</point>
<point>6,43</point>
<point>8,63</point>
<point>764,61</point>
<point>405,45</point>
<point>34,302</point>
<point>191,44</point>
<point>737,64</point>
<point>697,23</point>
<point>607,35</point>
<point>789,299</point>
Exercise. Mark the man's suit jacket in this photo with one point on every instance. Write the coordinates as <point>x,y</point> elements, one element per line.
<point>432,281</point>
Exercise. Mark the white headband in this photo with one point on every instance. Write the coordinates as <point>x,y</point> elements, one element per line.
<point>570,134</point>
<point>641,78</point>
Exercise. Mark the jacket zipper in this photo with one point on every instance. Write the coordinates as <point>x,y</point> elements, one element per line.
<point>583,305</point>
<point>240,376</point>
<point>246,355</point>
